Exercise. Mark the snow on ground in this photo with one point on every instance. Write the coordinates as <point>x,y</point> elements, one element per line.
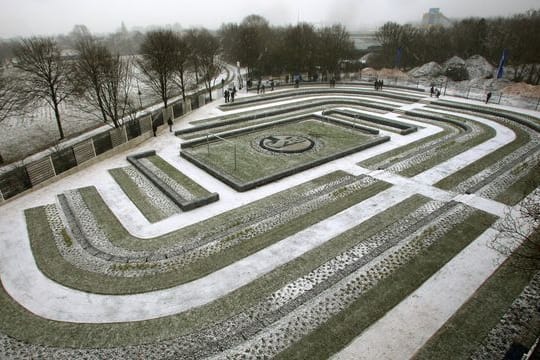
<point>402,331</point>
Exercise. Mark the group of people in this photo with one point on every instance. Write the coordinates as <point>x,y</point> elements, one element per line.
<point>260,87</point>
<point>379,84</point>
<point>229,94</point>
<point>333,82</point>
<point>433,91</point>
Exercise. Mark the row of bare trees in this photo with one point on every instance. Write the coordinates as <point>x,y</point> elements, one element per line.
<point>486,37</point>
<point>98,80</point>
<point>301,48</point>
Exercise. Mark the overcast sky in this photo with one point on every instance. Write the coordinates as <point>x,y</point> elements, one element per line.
<point>49,17</point>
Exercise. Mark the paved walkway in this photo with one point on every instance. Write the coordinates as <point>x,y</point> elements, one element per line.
<point>25,283</point>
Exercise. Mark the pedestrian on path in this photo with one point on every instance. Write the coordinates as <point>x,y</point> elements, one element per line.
<point>226,95</point>
<point>431,91</point>
<point>233,92</point>
<point>170,123</point>
<point>488,96</point>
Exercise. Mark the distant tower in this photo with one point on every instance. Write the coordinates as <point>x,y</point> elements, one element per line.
<point>434,17</point>
<point>123,28</point>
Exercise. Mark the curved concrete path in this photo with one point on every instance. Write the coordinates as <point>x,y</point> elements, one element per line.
<point>25,283</point>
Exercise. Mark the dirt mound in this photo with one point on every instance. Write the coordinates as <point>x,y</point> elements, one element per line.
<point>392,73</point>
<point>478,67</point>
<point>383,73</point>
<point>431,69</point>
<point>453,62</point>
<point>522,89</point>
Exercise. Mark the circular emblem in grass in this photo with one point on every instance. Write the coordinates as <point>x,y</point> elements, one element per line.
<point>286,143</point>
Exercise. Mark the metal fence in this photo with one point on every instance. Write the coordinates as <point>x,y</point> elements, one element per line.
<point>27,176</point>
<point>463,91</point>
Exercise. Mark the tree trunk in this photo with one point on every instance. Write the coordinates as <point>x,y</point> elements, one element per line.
<point>183,86</point>
<point>101,107</point>
<point>58,123</point>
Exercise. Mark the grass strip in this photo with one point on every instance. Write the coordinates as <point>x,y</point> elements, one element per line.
<point>397,154</point>
<point>63,272</point>
<point>463,333</point>
<point>19,323</point>
<point>150,212</point>
<point>341,329</point>
<point>120,237</point>
<point>521,188</point>
<point>197,190</point>
<point>461,175</point>
<point>448,150</point>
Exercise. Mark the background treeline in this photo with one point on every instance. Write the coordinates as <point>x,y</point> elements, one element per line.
<point>272,50</point>
<point>487,37</point>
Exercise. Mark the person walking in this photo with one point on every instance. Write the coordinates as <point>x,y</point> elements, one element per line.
<point>431,91</point>
<point>226,95</point>
<point>233,91</point>
<point>488,96</point>
<point>170,123</point>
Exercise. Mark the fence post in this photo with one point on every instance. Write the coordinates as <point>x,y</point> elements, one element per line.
<point>500,97</point>
<point>468,91</point>
<point>537,104</point>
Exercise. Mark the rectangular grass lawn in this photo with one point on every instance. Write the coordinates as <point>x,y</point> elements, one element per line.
<point>241,162</point>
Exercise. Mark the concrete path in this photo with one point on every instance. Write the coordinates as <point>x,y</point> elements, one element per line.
<point>410,324</point>
<point>27,285</point>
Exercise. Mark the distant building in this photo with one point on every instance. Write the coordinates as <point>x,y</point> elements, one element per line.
<point>434,17</point>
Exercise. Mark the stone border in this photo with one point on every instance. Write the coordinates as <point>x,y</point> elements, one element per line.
<point>245,186</point>
<point>261,114</point>
<point>307,92</point>
<point>165,188</point>
<point>403,128</point>
<point>490,111</point>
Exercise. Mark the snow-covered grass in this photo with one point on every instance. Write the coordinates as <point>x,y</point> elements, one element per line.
<point>463,334</point>
<point>243,159</point>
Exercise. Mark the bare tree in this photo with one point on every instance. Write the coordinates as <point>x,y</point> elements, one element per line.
<point>44,77</point>
<point>102,81</point>
<point>116,88</point>
<point>191,37</point>
<point>206,49</point>
<point>158,62</point>
<point>88,74</point>
<point>181,57</point>
<point>8,98</point>
<point>518,232</point>
<point>8,95</point>
<point>335,46</point>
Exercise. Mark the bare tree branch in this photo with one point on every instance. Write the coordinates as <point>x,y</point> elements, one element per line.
<point>44,75</point>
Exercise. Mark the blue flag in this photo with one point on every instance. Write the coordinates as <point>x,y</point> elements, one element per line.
<point>398,57</point>
<point>500,69</point>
